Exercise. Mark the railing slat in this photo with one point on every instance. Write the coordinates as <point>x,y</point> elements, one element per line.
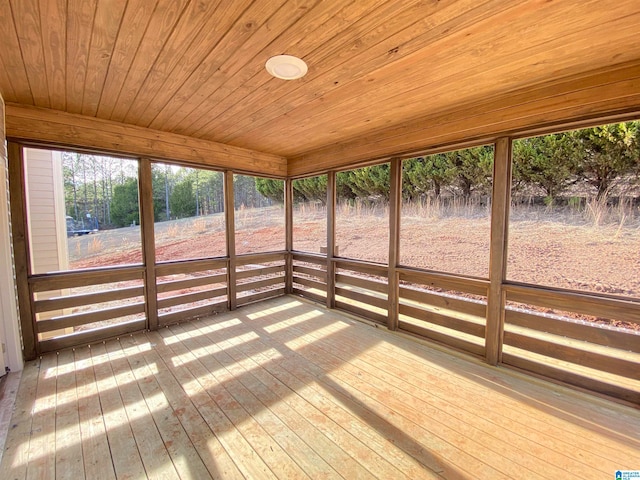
<point>362,297</point>
<point>365,283</point>
<point>77,319</point>
<point>442,338</point>
<point>578,331</point>
<point>191,297</point>
<point>84,278</point>
<point>310,283</point>
<point>443,320</point>
<point>578,356</point>
<point>586,304</point>
<point>71,301</point>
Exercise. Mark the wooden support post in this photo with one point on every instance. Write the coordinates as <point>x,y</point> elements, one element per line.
<point>147,231</point>
<point>288,206</point>
<point>331,239</point>
<point>21,254</point>
<point>395,205</point>
<point>229,213</point>
<point>500,201</point>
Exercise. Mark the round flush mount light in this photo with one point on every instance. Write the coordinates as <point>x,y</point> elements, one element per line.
<point>286,67</point>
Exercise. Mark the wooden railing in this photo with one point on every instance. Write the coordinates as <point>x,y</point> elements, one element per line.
<point>259,276</point>
<point>88,306</point>
<point>361,288</point>
<point>309,274</point>
<point>191,289</point>
<point>448,309</point>
<point>544,334</point>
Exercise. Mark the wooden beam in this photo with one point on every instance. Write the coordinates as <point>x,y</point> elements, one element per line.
<point>288,206</point>
<point>500,200</point>
<point>395,206</point>
<point>229,215</point>
<point>331,239</point>
<point>44,126</point>
<point>605,95</point>
<point>21,255</point>
<point>147,232</point>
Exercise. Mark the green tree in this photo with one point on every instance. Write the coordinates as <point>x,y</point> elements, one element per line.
<point>472,169</point>
<point>182,199</point>
<point>125,208</point>
<point>606,153</point>
<point>427,174</point>
<point>370,182</point>
<point>310,189</point>
<point>270,188</point>
<point>548,162</point>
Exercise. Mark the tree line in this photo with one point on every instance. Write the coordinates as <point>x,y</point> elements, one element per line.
<point>594,159</point>
<point>105,189</point>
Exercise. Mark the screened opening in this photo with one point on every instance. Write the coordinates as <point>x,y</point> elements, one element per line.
<point>575,215</point>
<point>362,213</point>
<point>83,210</point>
<point>259,214</point>
<point>188,210</point>
<point>310,214</point>
<point>446,211</point>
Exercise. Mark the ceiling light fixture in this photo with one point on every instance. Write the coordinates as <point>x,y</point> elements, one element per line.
<point>286,67</point>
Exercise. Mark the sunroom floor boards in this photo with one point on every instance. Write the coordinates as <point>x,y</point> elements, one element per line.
<point>287,389</point>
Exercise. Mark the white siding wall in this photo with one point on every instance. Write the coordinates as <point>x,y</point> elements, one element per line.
<point>9,326</point>
<point>47,219</point>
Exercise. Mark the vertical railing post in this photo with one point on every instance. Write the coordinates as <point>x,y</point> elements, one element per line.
<point>500,201</point>
<point>21,254</point>
<point>147,231</point>
<point>331,239</point>
<point>395,206</point>
<point>229,213</point>
<point>288,206</point>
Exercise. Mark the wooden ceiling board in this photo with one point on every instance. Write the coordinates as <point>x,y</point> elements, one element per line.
<point>480,82</point>
<point>228,87</point>
<point>354,28</point>
<point>26,21</point>
<point>134,26</point>
<point>52,14</point>
<point>80,15</point>
<point>511,64</point>
<point>379,70</point>
<point>197,19</point>
<point>165,17</point>
<point>607,91</point>
<point>181,55</point>
<point>372,51</point>
<point>251,85</point>
<point>274,27</point>
<point>106,27</point>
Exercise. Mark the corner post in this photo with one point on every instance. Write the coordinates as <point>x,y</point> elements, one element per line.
<point>395,206</point>
<point>288,260</point>
<point>229,214</point>
<point>22,258</point>
<point>147,230</point>
<point>331,239</point>
<point>500,202</point>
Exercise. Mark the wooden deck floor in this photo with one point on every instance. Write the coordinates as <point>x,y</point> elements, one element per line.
<point>286,389</point>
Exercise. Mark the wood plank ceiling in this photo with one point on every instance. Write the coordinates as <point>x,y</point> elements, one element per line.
<point>196,68</point>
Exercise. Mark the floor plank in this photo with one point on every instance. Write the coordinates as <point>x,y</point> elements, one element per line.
<point>127,462</point>
<point>69,459</point>
<point>95,445</point>
<point>287,389</point>
<point>15,456</point>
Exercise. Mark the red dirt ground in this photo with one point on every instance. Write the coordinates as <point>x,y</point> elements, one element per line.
<point>598,259</point>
